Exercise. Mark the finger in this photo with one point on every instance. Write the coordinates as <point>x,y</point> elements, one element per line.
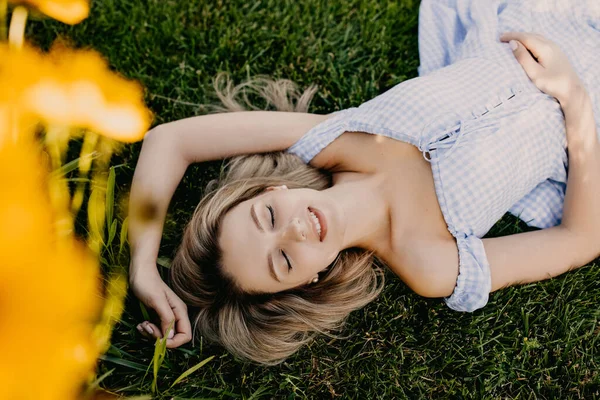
<point>182,335</point>
<point>149,330</point>
<point>169,328</point>
<point>183,328</point>
<point>178,340</point>
<point>142,331</point>
<point>532,68</point>
<point>536,44</point>
<point>165,313</point>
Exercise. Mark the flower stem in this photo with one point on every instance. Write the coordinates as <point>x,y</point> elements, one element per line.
<point>3,10</point>
<point>16,31</point>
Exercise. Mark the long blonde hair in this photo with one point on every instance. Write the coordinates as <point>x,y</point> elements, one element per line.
<point>265,328</point>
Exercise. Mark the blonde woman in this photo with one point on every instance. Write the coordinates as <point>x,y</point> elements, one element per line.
<point>283,246</point>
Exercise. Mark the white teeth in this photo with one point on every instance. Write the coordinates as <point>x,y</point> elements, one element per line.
<point>316,221</point>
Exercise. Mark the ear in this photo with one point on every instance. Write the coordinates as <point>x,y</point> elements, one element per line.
<point>276,188</point>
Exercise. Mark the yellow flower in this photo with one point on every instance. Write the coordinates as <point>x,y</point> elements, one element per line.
<point>50,295</point>
<point>67,11</point>
<point>72,88</point>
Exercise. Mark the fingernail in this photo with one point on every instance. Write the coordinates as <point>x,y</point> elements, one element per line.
<point>149,329</point>
<point>171,334</point>
<point>139,328</point>
<point>513,45</point>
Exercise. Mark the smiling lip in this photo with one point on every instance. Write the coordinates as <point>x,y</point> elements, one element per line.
<point>322,222</point>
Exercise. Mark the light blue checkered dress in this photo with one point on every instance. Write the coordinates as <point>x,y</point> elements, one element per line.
<point>494,141</point>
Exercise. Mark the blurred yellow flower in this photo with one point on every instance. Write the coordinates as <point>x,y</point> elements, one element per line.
<point>50,298</point>
<point>71,88</point>
<point>55,317</point>
<point>67,11</point>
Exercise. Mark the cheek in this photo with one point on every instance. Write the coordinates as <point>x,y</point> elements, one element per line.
<point>314,259</point>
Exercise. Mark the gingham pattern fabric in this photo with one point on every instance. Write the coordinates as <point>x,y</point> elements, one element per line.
<point>494,141</point>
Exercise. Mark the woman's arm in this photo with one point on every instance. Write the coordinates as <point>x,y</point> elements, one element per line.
<point>534,256</point>
<point>170,148</point>
<point>538,255</point>
<point>166,153</point>
<point>217,136</point>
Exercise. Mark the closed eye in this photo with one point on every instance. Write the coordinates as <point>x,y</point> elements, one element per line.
<point>287,260</point>
<point>272,215</point>
<point>273,223</point>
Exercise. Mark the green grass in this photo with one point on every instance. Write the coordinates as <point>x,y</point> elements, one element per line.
<point>535,341</point>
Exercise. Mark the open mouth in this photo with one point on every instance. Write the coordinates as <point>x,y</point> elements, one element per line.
<point>318,223</point>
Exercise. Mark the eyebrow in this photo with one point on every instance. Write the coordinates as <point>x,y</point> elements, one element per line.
<point>255,218</point>
<point>272,268</point>
<point>269,257</point>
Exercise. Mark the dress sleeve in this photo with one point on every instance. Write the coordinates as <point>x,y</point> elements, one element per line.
<point>321,135</point>
<point>543,206</point>
<point>474,280</point>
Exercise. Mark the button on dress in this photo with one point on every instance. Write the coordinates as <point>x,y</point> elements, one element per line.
<point>495,142</point>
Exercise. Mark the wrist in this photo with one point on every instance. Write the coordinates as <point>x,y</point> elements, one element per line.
<point>575,98</point>
<point>138,269</point>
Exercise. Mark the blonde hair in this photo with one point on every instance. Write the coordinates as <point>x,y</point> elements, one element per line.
<point>264,328</point>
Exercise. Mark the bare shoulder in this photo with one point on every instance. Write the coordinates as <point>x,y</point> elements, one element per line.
<point>428,266</point>
<point>360,152</point>
<point>431,268</point>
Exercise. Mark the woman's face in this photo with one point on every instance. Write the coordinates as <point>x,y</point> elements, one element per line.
<point>273,242</point>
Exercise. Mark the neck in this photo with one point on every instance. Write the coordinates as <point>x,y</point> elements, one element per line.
<point>365,210</point>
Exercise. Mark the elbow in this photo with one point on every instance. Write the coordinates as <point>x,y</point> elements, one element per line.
<point>584,244</point>
<point>432,286</point>
<point>154,133</point>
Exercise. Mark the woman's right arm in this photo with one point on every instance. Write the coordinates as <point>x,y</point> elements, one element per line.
<point>542,254</point>
<point>532,256</point>
<point>166,153</point>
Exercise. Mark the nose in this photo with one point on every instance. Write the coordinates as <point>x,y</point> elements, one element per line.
<point>295,231</point>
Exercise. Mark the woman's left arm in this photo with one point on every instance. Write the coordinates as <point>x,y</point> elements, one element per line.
<point>533,256</point>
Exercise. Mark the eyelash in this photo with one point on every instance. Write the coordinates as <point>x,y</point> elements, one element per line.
<point>272,215</point>
<point>273,223</point>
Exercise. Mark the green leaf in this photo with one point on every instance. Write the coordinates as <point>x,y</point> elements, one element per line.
<point>112,232</point>
<point>164,262</point>
<point>144,312</point>
<point>125,363</point>
<point>65,169</point>
<point>95,217</point>
<point>123,236</point>
<point>191,370</point>
<point>258,392</point>
<point>97,381</point>
<point>110,195</point>
<point>160,350</point>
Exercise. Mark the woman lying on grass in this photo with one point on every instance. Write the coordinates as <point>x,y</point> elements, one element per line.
<point>283,247</point>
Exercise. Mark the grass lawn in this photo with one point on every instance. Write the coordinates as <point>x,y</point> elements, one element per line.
<point>535,341</point>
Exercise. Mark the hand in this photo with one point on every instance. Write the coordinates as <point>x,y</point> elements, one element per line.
<point>550,70</point>
<point>148,286</point>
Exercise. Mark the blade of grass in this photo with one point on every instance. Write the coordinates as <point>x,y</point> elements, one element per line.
<point>110,196</point>
<point>145,313</point>
<point>124,363</point>
<point>112,232</point>
<point>71,166</point>
<point>192,370</point>
<point>123,237</point>
<point>160,350</point>
<point>164,262</point>
<point>258,393</point>
<point>97,381</point>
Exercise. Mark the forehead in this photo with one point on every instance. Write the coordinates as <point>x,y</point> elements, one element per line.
<point>244,254</point>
